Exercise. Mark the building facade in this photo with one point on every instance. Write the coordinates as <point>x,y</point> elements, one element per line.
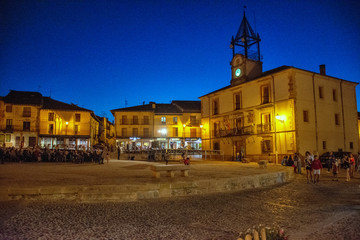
<point>28,119</point>
<point>175,125</point>
<point>265,115</point>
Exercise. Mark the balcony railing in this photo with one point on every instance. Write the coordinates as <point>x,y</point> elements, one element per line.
<point>9,129</point>
<point>264,128</point>
<point>234,132</point>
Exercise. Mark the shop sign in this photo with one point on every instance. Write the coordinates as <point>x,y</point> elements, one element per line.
<point>174,139</point>
<point>134,138</point>
<point>161,139</point>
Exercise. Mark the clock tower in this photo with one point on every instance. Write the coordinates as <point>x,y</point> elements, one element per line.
<point>246,64</point>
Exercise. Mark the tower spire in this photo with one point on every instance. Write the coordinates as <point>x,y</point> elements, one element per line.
<point>246,38</point>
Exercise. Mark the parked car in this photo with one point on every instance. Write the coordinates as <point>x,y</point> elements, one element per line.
<point>325,156</point>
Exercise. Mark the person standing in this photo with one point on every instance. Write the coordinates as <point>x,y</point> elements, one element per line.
<point>297,159</point>
<point>330,161</point>
<point>346,165</point>
<point>308,162</point>
<point>335,169</point>
<point>118,152</point>
<point>316,166</point>
<point>352,165</point>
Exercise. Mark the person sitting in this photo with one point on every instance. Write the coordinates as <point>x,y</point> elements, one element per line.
<point>290,162</point>
<point>284,161</point>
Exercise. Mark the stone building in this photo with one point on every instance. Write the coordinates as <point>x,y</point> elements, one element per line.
<point>28,119</point>
<point>265,115</point>
<point>175,125</point>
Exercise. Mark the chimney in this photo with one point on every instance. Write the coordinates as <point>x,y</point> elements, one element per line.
<point>153,105</point>
<point>322,69</point>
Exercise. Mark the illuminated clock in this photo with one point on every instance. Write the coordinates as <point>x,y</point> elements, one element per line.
<point>237,72</point>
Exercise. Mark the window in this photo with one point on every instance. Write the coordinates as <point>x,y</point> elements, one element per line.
<point>351,145</point>
<point>266,145</point>
<point>123,120</point>
<point>26,126</point>
<point>324,144</point>
<point>237,101</point>
<point>135,132</point>
<point>265,94</point>
<point>216,146</point>
<point>51,116</point>
<point>77,129</point>
<point>32,141</point>
<point>321,92</point>
<point>135,120</point>
<point>8,138</point>
<point>2,138</point>
<point>334,93</point>
<point>146,132</point>
<point>216,106</point>
<point>123,132</point>
<point>163,120</point>
<point>193,120</point>
<point>51,129</point>
<point>27,112</point>
<point>146,120</point>
<point>216,129</point>
<point>175,132</point>
<point>239,124</point>
<point>337,119</point>
<point>8,123</point>
<point>77,117</point>
<point>306,116</point>
<point>193,132</point>
<point>175,120</point>
<point>8,108</point>
<point>266,122</point>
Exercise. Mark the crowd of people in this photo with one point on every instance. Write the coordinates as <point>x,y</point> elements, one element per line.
<point>313,165</point>
<point>11,154</point>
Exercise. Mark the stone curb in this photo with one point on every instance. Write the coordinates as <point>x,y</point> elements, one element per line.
<point>130,193</point>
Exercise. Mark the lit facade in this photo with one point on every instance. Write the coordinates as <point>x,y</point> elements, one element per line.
<point>265,115</point>
<point>29,120</point>
<point>175,125</point>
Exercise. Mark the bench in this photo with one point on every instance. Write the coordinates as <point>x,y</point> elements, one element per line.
<point>263,163</point>
<point>156,169</point>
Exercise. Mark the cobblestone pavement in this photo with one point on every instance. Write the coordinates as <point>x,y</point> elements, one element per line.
<point>328,210</point>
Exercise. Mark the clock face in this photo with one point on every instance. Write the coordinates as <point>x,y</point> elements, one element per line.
<point>237,72</point>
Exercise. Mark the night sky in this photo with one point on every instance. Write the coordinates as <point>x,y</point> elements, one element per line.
<point>108,54</point>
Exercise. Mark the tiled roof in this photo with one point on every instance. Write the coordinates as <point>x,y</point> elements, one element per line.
<point>188,106</point>
<point>23,98</point>
<point>176,107</point>
<point>50,103</point>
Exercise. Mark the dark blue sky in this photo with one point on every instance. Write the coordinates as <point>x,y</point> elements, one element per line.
<point>101,54</point>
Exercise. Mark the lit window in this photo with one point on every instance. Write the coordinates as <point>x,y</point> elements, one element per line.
<point>175,119</point>
<point>163,120</point>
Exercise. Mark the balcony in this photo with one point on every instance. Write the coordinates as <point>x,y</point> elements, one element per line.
<point>234,132</point>
<point>264,128</point>
<point>9,129</point>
